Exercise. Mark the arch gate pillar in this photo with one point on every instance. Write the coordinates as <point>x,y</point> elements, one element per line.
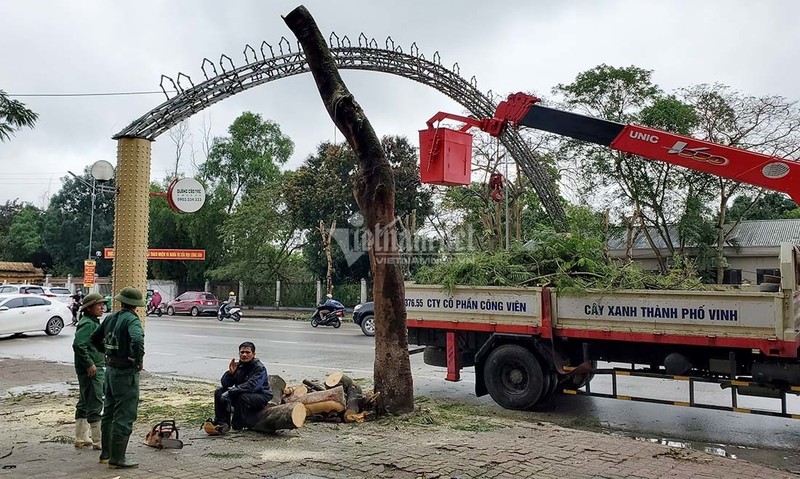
<point>131,217</point>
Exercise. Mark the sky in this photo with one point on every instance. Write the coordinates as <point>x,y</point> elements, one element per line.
<point>57,47</point>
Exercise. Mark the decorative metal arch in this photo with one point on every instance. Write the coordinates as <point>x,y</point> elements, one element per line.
<point>367,55</point>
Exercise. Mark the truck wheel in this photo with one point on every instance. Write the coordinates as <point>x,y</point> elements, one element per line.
<point>514,377</point>
<point>552,383</point>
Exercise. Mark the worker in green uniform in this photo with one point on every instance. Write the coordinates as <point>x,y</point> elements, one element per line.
<point>121,337</point>
<point>90,366</point>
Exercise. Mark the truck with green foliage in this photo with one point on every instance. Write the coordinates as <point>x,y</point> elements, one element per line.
<point>528,343</point>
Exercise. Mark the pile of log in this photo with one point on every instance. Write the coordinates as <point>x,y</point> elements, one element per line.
<point>337,399</point>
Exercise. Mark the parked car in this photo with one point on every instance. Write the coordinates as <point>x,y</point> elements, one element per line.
<point>59,293</point>
<point>21,289</point>
<point>364,316</point>
<point>23,313</point>
<point>194,303</point>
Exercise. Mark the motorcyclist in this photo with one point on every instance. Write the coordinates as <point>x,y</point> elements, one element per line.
<point>328,306</point>
<point>77,298</point>
<point>155,301</point>
<point>226,306</point>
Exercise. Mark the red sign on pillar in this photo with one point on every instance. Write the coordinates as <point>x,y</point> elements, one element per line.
<point>88,272</point>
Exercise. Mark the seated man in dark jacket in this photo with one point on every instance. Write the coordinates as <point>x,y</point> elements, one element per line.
<point>244,393</point>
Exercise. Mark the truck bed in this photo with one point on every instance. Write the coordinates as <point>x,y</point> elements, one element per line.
<point>739,319</point>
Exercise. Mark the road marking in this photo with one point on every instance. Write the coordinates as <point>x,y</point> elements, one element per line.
<point>163,354</point>
<point>239,328</point>
<point>284,342</point>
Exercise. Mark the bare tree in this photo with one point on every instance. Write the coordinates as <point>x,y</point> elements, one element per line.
<point>769,125</point>
<point>375,194</point>
<point>180,135</point>
<point>206,142</point>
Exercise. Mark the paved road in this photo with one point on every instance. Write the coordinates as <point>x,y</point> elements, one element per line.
<point>202,348</point>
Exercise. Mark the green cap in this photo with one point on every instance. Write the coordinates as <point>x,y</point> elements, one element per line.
<point>130,295</point>
<point>90,300</point>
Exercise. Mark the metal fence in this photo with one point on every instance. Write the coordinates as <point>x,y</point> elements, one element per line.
<point>300,295</point>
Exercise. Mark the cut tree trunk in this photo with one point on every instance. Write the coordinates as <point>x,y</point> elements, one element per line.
<point>353,395</point>
<point>285,416</point>
<point>329,400</point>
<point>323,407</point>
<point>337,378</point>
<point>295,394</point>
<point>374,191</point>
<point>336,394</point>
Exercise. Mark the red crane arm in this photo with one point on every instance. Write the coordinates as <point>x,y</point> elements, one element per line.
<point>778,174</point>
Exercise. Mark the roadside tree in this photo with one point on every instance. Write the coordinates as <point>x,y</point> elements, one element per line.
<point>248,158</point>
<point>23,239</point>
<point>768,124</point>
<point>259,240</point>
<point>66,226</point>
<point>647,195</point>
<point>322,189</point>
<point>13,116</point>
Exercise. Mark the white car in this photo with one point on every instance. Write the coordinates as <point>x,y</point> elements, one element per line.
<point>21,288</point>
<point>23,313</point>
<point>60,293</point>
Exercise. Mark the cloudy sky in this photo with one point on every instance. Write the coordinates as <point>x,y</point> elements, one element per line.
<point>57,47</point>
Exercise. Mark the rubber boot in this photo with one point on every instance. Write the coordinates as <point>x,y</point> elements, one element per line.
<point>82,433</point>
<point>96,435</point>
<point>119,446</point>
<point>105,442</point>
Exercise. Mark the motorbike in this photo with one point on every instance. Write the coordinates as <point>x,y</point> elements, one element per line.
<point>333,318</point>
<point>151,309</point>
<point>234,312</point>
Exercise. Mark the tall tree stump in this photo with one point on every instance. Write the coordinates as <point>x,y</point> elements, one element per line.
<point>374,191</point>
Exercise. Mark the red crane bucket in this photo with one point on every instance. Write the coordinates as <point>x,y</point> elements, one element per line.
<point>445,156</point>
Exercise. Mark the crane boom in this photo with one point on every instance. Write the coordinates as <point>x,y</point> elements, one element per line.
<point>520,109</point>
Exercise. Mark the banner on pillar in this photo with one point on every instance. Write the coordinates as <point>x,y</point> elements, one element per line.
<point>155,253</point>
<point>88,272</point>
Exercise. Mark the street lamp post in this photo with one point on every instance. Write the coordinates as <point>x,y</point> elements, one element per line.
<point>91,218</point>
<point>101,171</point>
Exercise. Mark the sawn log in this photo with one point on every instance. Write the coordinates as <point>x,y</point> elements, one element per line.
<point>285,416</point>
